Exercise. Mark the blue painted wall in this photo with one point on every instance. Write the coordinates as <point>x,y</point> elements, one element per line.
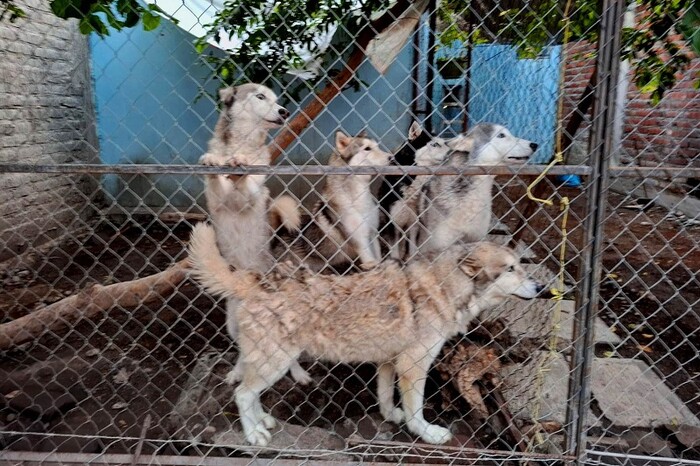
<point>146,88</point>
<point>520,94</point>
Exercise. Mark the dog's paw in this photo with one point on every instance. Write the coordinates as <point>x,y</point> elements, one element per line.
<point>268,421</point>
<point>369,265</point>
<point>233,162</point>
<point>234,376</point>
<point>395,415</point>
<point>211,160</point>
<point>258,436</point>
<point>436,434</point>
<point>300,376</point>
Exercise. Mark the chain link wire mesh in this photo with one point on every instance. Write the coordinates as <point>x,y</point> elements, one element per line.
<point>112,353</point>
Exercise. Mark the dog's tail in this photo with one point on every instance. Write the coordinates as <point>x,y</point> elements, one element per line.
<point>212,271</point>
<point>284,211</point>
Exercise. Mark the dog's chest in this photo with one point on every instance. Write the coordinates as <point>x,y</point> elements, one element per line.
<point>357,205</point>
<point>463,209</point>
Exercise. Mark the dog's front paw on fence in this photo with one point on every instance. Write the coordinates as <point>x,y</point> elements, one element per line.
<point>210,160</point>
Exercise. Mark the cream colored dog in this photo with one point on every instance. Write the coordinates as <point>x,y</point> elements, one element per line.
<point>396,317</point>
<point>240,208</point>
<point>344,223</point>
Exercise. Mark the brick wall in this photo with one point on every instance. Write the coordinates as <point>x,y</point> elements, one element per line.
<point>46,116</point>
<point>667,133</point>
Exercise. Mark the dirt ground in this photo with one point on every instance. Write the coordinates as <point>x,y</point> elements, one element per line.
<point>135,361</point>
<point>649,288</point>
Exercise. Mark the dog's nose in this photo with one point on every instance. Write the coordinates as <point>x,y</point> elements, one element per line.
<point>543,293</point>
<point>533,146</point>
<point>284,113</point>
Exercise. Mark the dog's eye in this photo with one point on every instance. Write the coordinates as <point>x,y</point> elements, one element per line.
<point>435,144</point>
<point>260,96</point>
<point>501,135</point>
<point>511,269</point>
<point>368,148</point>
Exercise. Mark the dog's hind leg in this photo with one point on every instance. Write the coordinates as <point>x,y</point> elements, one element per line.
<point>412,368</point>
<point>299,374</point>
<point>385,394</point>
<point>258,375</point>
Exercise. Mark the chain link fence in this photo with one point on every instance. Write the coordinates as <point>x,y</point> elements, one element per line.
<point>113,351</point>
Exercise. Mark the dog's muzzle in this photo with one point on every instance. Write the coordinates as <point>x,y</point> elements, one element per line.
<point>544,292</point>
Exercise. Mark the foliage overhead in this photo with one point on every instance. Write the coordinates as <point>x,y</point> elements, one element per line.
<point>272,38</point>
<point>97,16</point>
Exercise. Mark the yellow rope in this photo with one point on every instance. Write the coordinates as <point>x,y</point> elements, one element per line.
<point>557,293</point>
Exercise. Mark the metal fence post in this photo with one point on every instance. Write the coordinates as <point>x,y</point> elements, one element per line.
<point>600,153</point>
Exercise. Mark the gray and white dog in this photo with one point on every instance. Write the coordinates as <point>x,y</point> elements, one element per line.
<point>456,208</point>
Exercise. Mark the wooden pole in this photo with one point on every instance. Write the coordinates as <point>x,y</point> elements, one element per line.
<point>305,116</point>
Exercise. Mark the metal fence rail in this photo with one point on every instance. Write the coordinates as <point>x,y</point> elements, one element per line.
<point>112,352</point>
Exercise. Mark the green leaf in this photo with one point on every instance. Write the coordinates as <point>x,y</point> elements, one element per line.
<point>150,21</point>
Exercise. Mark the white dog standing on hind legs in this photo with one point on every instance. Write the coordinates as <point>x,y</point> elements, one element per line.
<point>239,206</point>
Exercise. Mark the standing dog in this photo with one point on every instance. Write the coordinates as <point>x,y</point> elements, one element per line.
<point>403,213</point>
<point>239,206</point>
<point>453,208</point>
<point>396,317</point>
<point>343,226</point>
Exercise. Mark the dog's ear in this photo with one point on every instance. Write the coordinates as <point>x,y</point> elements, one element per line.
<point>227,95</point>
<point>342,141</point>
<point>414,131</point>
<point>470,266</point>
<point>461,143</point>
<point>362,134</point>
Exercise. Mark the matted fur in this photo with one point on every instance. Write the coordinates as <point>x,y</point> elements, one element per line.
<point>397,317</point>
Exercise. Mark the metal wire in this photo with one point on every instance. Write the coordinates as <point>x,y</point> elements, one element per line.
<point>610,378</point>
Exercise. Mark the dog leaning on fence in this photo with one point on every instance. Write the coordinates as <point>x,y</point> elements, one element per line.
<point>239,206</point>
<point>456,208</point>
<point>398,317</point>
<point>344,224</point>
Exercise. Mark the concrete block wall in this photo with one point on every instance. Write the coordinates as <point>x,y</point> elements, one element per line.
<point>46,116</point>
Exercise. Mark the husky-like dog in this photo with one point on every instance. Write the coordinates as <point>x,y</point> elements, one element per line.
<point>343,226</point>
<point>404,210</point>
<point>239,206</point>
<point>458,208</point>
<point>396,317</point>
